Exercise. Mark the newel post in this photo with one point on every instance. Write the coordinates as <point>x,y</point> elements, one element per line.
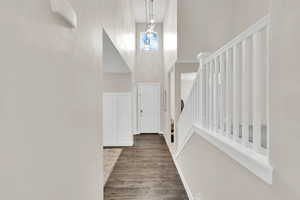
<point>203,88</point>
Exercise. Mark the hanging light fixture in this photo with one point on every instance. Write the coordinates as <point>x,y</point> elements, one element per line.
<point>150,18</point>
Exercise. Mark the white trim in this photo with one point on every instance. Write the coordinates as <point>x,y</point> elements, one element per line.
<point>254,162</point>
<point>187,139</point>
<point>184,182</point>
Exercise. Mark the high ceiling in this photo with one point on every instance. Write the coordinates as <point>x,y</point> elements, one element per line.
<point>160,7</point>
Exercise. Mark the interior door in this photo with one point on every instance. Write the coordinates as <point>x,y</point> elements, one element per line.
<point>117,122</point>
<point>149,107</point>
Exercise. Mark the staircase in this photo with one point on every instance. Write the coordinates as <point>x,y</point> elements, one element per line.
<point>229,102</point>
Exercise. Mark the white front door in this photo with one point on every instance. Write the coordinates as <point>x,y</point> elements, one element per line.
<point>149,107</point>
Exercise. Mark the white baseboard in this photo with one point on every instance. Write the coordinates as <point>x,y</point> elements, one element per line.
<point>187,139</point>
<point>184,182</point>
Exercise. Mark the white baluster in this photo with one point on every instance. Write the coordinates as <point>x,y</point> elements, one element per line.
<point>193,103</point>
<point>222,92</point>
<point>196,103</point>
<point>205,96</point>
<point>210,99</point>
<point>258,89</point>
<point>198,98</point>
<point>246,74</point>
<point>235,94</point>
<point>216,95</point>
<point>265,90</point>
<point>202,88</point>
<point>213,96</point>
<point>201,95</point>
<point>228,92</point>
<point>208,96</point>
<point>268,88</point>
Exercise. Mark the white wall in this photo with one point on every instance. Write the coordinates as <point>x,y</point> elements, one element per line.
<point>187,82</point>
<point>203,25</point>
<point>120,26</point>
<point>117,82</point>
<point>170,35</point>
<point>285,96</point>
<point>170,54</point>
<point>149,64</point>
<point>181,68</point>
<point>206,25</point>
<point>50,102</point>
<point>112,60</point>
<point>246,13</point>
<point>117,76</point>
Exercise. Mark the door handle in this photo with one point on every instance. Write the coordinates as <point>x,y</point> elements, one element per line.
<point>141,113</point>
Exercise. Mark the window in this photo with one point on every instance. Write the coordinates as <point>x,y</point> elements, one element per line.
<point>149,42</point>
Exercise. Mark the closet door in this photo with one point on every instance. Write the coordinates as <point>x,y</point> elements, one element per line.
<point>109,120</point>
<point>117,123</point>
<point>124,122</point>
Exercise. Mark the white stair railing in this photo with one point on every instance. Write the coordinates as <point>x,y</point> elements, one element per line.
<point>230,96</point>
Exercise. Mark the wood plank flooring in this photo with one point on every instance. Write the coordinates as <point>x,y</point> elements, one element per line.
<point>145,172</point>
<point>110,157</point>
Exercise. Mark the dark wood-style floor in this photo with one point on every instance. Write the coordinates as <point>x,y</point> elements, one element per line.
<point>145,172</point>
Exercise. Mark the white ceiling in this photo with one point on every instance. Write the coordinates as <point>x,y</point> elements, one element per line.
<point>160,8</point>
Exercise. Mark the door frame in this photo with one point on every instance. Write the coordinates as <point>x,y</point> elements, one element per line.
<point>139,104</point>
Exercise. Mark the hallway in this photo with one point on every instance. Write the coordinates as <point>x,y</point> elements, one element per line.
<point>145,171</point>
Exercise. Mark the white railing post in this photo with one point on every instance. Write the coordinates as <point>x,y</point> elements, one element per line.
<point>235,94</point>
<point>214,89</point>
<point>229,92</point>
<point>222,82</point>
<point>246,74</point>
<point>259,89</point>
<point>268,88</point>
<point>216,97</point>
<point>196,98</point>
<point>206,97</point>
<point>202,88</point>
<point>193,103</point>
<point>211,96</point>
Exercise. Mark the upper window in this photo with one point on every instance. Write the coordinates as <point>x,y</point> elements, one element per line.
<point>149,42</point>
